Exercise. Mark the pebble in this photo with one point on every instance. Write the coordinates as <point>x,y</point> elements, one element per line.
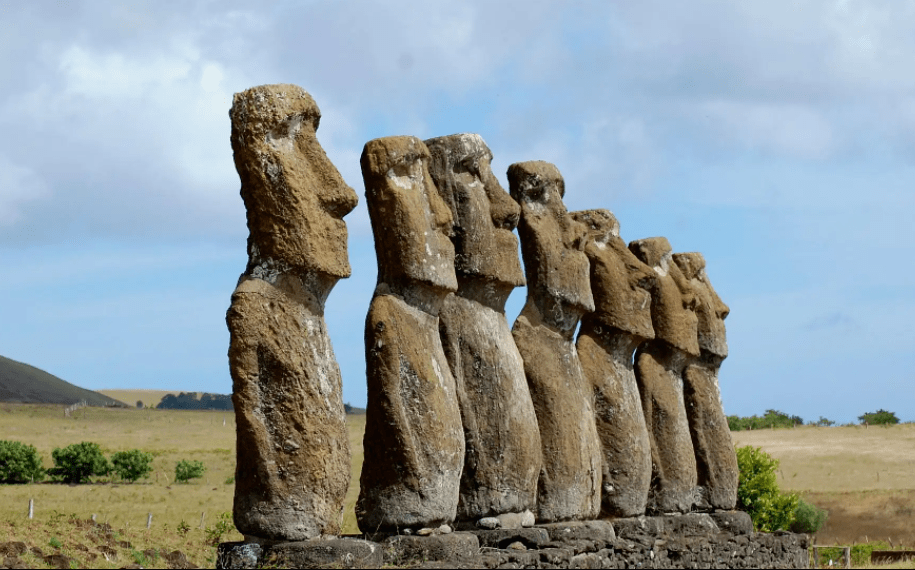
<point>489,523</point>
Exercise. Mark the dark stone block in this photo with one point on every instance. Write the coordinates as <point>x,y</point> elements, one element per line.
<point>457,546</point>
<point>317,553</point>
<point>600,532</point>
<point>502,537</point>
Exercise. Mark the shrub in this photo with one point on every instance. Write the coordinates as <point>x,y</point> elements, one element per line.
<point>772,419</point>
<point>76,463</point>
<point>186,470</point>
<point>758,493</point>
<point>19,463</point>
<point>223,526</point>
<point>823,422</point>
<point>880,417</point>
<point>808,519</point>
<point>132,465</point>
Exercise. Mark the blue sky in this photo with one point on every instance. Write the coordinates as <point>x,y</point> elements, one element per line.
<point>776,138</point>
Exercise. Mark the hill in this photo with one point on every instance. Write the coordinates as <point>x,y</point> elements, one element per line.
<point>22,383</point>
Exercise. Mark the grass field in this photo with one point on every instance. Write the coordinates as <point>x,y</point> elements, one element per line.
<point>864,477</point>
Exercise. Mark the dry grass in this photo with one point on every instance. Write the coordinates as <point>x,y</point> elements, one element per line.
<point>864,477</point>
<point>150,398</point>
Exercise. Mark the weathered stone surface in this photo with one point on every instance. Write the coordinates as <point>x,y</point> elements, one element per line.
<point>737,522</point>
<point>458,546</point>
<point>502,537</point>
<point>595,531</point>
<point>659,366</point>
<point>414,442</point>
<point>317,553</point>
<point>621,321</point>
<point>502,459</point>
<point>558,295</point>
<point>292,443</point>
<point>716,460</point>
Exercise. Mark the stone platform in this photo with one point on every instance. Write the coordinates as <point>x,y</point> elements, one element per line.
<point>697,540</point>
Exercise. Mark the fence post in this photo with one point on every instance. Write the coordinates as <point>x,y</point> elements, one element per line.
<point>847,553</point>
<point>202,514</point>
<point>31,508</point>
<point>148,521</point>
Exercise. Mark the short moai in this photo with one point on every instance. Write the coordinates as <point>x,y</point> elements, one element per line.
<point>414,442</point>
<point>659,366</point>
<point>716,460</point>
<point>293,460</point>
<point>558,294</point>
<point>621,321</point>
<point>502,461</point>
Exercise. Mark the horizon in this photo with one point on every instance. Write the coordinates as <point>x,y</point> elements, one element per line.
<point>778,140</point>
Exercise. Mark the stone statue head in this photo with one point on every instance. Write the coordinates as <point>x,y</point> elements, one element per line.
<point>411,222</point>
<point>620,282</point>
<point>484,214</point>
<point>673,300</point>
<point>710,309</point>
<point>295,197</point>
<point>551,242</point>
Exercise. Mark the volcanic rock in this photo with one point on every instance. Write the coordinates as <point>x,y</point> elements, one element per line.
<point>621,321</point>
<point>659,366</point>
<point>558,295</point>
<point>292,444</point>
<point>502,460</point>
<point>414,442</point>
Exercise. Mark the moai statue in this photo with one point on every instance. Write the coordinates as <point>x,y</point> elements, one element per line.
<point>558,295</point>
<point>659,366</point>
<point>502,461</point>
<point>621,321</point>
<point>292,444</point>
<point>716,461</point>
<point>414,442</point>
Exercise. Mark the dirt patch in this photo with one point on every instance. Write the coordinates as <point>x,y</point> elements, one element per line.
<point>861,516</point>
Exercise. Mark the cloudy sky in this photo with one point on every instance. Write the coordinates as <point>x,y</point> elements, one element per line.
<point>778,138</point>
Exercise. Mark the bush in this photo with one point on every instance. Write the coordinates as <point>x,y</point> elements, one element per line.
<point>19,463</point>
<point>132,465</point>
<point>808,519</point>
<point>823,422</point>
<point>187,470</point>
<point>880,417</point>
<point>758,493</point>
<point>772,419</point>
<point>76,463</point>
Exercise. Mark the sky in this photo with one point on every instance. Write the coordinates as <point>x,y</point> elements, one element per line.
<point>777,138</point>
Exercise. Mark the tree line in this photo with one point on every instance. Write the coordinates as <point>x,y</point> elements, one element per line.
<point>776,419</point>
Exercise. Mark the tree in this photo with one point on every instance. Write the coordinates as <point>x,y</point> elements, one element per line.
<point>19,463</point>
<point>880,417</point>
<point>132,465</point>
<point>186,470</point>
<point>76,463</point>
<point>823,422</point>
<point>140,404</point>
<point>758,493</point>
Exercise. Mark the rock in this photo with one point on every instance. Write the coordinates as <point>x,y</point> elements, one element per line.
<point>316,553</point>
<point>558,295</point>
<point>621,321</point>
<point>238,554</point>
<point>425,531</point>
<point>516,520</point>
<point>501,538</point>
<point>516,546</point>
<point>292,441</point>
<point>502,458</point>
<point>659,366</point>
<point>595,531</point>
<point>489,523</point>
<point>716,459</point>
<point>737,522</point>
<point>402,550</point>
<point>444,529</point>
<point>414,441</point>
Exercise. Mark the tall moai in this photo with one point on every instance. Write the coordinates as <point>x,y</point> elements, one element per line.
<point>292,467</point>
<point>502,461</point>
<point>558,294</point>
<point>621,321</point>
<point>659,366</point>
<point>414,442</point>
<point>716,460</point>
